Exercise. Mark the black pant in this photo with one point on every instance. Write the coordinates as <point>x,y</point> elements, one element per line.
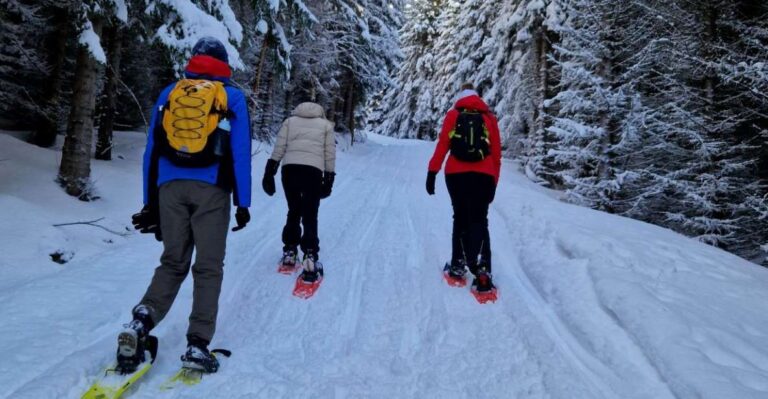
<point>471,195</point>
<point>302,185</point>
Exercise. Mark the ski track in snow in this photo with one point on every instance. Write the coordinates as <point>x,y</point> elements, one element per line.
<point>569,322</point>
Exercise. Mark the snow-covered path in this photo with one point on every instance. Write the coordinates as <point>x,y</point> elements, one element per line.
<point>591,305</point>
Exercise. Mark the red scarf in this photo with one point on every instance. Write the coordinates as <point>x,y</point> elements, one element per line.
<point>207,65</point>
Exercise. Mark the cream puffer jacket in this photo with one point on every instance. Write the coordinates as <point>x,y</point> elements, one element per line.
<point>307,138</point>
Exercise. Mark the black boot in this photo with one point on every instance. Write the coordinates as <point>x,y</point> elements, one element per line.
<point>313,269</point>
<point>483,281</point>
<point>457,268</point>
<point>132,342</point>
<point>290,256</point>
<point>198,357</point>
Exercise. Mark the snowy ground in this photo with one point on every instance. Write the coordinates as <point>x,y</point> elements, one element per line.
<point>591,305</point>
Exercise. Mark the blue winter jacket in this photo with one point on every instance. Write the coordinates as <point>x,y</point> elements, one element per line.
<point>240,143</point>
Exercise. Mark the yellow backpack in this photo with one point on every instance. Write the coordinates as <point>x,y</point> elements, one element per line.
<point>190,136</point>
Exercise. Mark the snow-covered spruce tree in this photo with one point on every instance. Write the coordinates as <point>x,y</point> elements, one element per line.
<point>382,20</point>
<point>747,73</point>
<point>180,23</point>
<point>734,110</point>
<point>275,23</point>
<point>465,42</point>
<point>44,79</point>
<point>408,101</point>
<point>590,108</point>
<point>268,52</point>
<point>336,52</point>
<point>658,172</point>
<point>685,171</point>
<point>22,63</point>
<point>385,18</point>
<point>366,51</point>
<point>504,70</point>
<point>503,46</point>
<point>530,36</point>
<point>316,58</point>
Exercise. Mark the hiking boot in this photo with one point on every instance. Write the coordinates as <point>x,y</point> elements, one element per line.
<point>483,281</point>
<point>132,341</point>
<point>290,257</point>
<point>313,269</point>
<point>457,269</point>
<point>198,357</point>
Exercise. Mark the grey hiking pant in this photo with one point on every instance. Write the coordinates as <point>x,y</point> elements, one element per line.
<point>193,215</point>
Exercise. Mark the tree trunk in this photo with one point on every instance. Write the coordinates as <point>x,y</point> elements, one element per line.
<point>75,170</point>
<point>267,110</point>
<point>107,119</point>
<point>332,110</point>
<point>260,68</point>
<point>350,112</point>
<point>606,123</point>
<point>288,103</point>
<point>709,56</point>
<point>537,135</point>
<point>542,88</point>
<point>48,121</point>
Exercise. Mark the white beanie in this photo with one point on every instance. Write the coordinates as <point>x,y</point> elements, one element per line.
<point>466,93</point>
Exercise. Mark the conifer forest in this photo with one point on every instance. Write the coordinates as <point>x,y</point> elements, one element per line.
<point>655,110</point>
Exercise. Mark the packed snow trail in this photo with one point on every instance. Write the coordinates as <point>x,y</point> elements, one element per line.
<point>591,305</point>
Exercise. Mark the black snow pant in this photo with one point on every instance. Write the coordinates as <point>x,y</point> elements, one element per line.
<point>471,195</point>
<point>302,185</point>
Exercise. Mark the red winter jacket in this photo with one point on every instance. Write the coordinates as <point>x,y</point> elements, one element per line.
<point>490,165</point>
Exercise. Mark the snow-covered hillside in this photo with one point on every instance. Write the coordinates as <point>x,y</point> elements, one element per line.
<point>591,305</point>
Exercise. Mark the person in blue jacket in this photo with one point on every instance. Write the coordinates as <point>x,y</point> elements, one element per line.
<point>188,208</point>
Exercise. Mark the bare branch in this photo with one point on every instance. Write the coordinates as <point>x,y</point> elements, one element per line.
<point>93,223</point>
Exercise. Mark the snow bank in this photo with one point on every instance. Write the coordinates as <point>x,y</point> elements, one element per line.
<point>31,203</point>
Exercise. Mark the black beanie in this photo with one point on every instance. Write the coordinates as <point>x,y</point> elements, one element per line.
<point>211,47</point>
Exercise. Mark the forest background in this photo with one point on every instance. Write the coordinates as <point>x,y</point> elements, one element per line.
<point>656,110</point>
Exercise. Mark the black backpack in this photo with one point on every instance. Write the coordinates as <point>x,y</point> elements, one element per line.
<point>469,139</point>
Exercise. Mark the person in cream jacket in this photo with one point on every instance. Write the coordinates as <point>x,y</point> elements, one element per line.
<point>306,146</point>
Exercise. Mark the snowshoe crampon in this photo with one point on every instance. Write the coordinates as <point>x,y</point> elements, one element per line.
<point>310,278</point>
<point>288,269</point>
<point>453,281</point>
<point>189,376</point>
<point>306,289</point>
<point>485,296</point>
<point>114,383</point>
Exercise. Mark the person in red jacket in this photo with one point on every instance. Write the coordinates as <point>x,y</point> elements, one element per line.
<point>471,182</point>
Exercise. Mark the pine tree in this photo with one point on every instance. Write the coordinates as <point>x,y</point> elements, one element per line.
<point>591,106</point>
<point>22,63</point>
<point>180,23</point>
<point>364,46</point>
<point>410,96</point>
<point>275,26</point>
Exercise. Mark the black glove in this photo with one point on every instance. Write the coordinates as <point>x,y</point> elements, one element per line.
<point>268,182</point>
<point>243,216</point>
<point>328,178</point>
<point>147,221</point>
<point>431,176</point>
